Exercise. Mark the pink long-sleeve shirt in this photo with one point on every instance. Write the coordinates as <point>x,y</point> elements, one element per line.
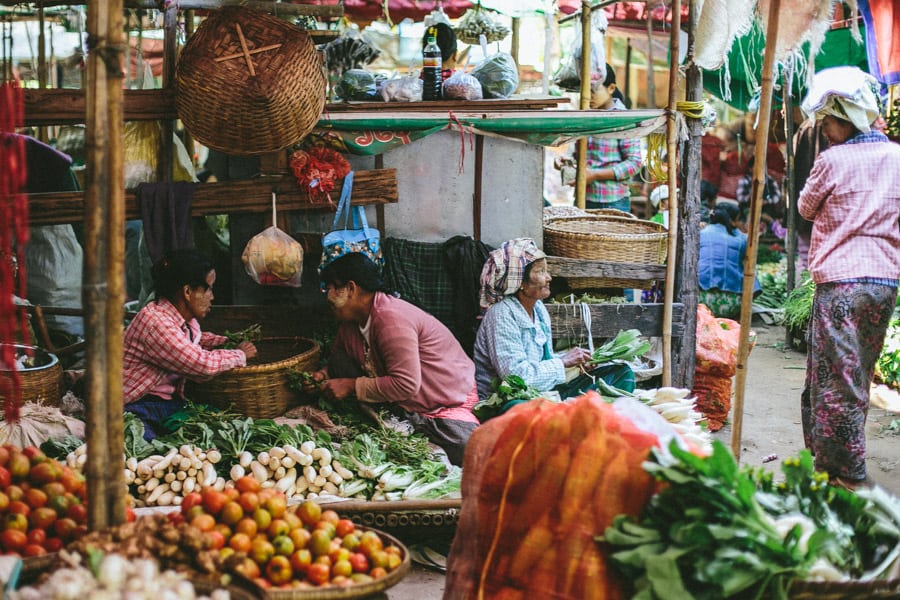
<point>418,363</point>
<point>852,196</point>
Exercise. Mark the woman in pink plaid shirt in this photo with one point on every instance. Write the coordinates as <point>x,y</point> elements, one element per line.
<point>164,345</point>
<point>852,196</point>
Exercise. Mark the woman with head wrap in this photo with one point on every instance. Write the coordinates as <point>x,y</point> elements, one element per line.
<point>852,196</point>
<point>515,337</point>
<point>389,351</point>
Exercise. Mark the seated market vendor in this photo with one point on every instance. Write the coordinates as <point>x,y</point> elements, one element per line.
<point>515,337</point>
<point>387,350</point>
<point>164,345</point>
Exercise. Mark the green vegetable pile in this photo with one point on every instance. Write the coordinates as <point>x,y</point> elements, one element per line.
<point>887,368</point>
<point>252,333</point>
<point>627,345</point>
<point>507,392</point>
<point>718,531</point>
<point>798,306</point>
<point>773,280</point>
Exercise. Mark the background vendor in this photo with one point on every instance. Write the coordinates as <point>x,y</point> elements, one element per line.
<point>164,345</point>
<point>390,351</point>
<point>515,336</point>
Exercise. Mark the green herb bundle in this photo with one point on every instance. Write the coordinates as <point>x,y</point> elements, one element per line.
<point>627,345</point>
<point>510,389</point>
<point>887,368</point>
<point>718,531</point>
<point>798,306</point>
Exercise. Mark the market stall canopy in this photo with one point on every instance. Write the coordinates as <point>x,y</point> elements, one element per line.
<point>366,133</point>
<point>737,82</point>
<point>882,18</point>
<point>417,10</point>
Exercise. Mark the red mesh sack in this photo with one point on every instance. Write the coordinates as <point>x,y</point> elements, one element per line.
<point>713,393</point>
<point>717,344</point>
<point>539,483</point>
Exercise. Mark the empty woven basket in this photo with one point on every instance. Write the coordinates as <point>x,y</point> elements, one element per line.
<point>249,83</point>
<point>606,238</point>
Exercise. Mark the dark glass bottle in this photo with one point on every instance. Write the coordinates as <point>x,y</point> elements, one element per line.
<point>431,70</point>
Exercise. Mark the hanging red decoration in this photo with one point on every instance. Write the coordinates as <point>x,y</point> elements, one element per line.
<point>316,170</point>
<point>13,237</point>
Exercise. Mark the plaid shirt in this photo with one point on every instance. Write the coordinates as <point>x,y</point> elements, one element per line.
<point>160,343</point>
<point>510,343</point>
<point>623,157</point>
<point>853,198</point>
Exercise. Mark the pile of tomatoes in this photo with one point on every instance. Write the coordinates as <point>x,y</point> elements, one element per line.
<point>41,502</point>
<point>257,535</point>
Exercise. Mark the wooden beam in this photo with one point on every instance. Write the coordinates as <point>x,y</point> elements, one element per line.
<point>232,197</point>
<point>608,319</point>
<point>332,11</point>
<point>67,106</point>
<point>576,267</point>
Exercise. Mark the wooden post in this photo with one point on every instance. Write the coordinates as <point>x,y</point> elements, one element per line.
<point>684,356</point>
<point>584,103</point>
<point>672,144</point>
<point>104,281</point>
<point>651,78</point>
<point>170,51</point>
<point>759,181</point>
<point>514,44</point>
<point>789,192</point>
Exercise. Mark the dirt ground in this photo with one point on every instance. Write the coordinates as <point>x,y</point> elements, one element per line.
<point>771,426</point>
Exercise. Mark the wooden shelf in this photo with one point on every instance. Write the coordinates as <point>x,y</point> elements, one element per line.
<point>577,267</point>
<point>377,186</point>
<point>608,319</point>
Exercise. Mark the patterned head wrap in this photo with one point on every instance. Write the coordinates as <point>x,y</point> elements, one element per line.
<point>848,93</point>
<point>504,270</point>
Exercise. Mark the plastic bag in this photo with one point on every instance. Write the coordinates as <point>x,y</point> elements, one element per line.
<point>359,84</point>
<point>462,86</point>
<point>569,75</point>
<point>498,75</point>
<point>142,142</point>
<point>477,22</point>
<point>407,88</point>
<point>717,343</point>
<point>273,257</point>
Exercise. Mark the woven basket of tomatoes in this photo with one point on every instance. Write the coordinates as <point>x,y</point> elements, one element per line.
<point>298,552</point>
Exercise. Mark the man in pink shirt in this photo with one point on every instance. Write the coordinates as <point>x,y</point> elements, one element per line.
<point>852,196</point>
<point>388,350</point>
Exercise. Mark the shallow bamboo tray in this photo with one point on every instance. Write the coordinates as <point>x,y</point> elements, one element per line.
<point>260,390</point>
<point>411,521</point>
<point>360,590</point>
<point>844,590</point>
<point>606,238</point>
<point>39,384</point>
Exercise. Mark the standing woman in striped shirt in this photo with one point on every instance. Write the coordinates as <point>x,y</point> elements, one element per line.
<point>852,196</point>
<point>164,345</point>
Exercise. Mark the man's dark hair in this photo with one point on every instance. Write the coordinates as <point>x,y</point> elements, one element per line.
<point>445,38</point>
<point>178,268</point>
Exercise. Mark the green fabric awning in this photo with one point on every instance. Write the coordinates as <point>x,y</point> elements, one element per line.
<point>367,133</point>
<point>745,61</point>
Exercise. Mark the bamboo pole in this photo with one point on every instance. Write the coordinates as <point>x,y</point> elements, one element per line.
<point>790,191</point>
<point>759,178</point>
<point>672,148</point>
<point>651,78</point>
<point>584,103</point>
<point>103,288</point>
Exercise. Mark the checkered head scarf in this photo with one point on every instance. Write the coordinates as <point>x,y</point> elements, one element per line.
<point>504,271</point>
<point>848,93</point>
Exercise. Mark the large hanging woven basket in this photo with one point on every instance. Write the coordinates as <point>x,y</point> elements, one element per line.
<point>606,238</point>
<point>249,83</point>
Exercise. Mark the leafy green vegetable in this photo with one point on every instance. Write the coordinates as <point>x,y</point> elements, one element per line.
<point>718,531</point>
<point>798,306</point>
<point>887,368</point>
<point>253,333</point>
<point>510,389</point>
<point>627,345</point>
<point>135,444</point>
<point>59,448</point>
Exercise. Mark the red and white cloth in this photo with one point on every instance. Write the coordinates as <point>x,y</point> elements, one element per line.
<point>159,343</point>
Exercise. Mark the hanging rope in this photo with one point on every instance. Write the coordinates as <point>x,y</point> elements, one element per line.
<point>13,237</point>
